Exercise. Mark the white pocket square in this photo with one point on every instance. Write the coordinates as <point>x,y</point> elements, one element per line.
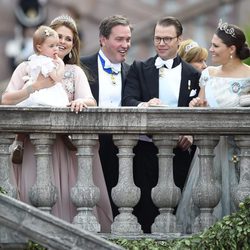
<point>192,92</point>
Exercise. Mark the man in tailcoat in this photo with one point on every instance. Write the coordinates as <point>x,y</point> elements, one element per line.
<point>107,71</point>
<point>161,80</point>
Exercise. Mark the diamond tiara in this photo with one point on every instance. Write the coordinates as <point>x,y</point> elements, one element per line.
<point>224,27</point>
<point>64,18</point>
<point>190,46</point>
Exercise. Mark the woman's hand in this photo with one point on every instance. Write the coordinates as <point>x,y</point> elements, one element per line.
<point>198,102</point>
<point>77,105</point>
<point>43,82</point>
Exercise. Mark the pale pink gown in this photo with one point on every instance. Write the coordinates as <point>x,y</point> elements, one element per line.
<point>64,170</point>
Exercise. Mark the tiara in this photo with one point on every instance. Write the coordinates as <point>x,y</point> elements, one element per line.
<point>64,18</point>
<point>190,46</point>
<point>224,27</point>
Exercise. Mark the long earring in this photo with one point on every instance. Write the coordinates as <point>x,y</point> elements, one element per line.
<point>70,55</point>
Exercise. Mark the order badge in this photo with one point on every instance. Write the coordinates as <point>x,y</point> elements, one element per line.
<point>236,87</point>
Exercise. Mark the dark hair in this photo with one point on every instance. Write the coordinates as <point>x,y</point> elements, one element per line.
<point>108,23</point>
<point>232,35</point>
<point>169,21</point>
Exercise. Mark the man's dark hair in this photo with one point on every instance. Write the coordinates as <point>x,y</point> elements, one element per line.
<point>108,23</point>
<point>169,21</point>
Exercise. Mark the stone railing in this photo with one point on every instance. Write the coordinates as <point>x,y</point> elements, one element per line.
<point>165,124</point>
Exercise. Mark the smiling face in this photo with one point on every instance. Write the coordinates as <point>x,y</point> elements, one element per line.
<point>65,41</point>
<point>167,50</point>
<point>116,46</point>
<point>49,47</point>
<point>220,52</point>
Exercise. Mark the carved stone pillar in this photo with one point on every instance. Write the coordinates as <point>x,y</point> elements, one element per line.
<point>43,193</point>
<point>165,194</point>
<point>125,194</point>
<point>6,140</point>
<point>243,189</point>
<point>207,192</point>
<point>85,194</point>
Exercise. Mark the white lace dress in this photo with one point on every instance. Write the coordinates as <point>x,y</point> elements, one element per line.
<point>221,92</point>
<point>55,96</point>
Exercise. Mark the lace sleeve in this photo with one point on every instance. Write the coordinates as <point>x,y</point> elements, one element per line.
<point>204,77</point>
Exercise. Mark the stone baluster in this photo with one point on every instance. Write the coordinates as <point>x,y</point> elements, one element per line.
<point>5,165</point>
<point>125,194</point>
<point>43,193</point>
<point>165,194</point>
<point>85,194</point>
<point>207,192</point>
<point>243,189</point>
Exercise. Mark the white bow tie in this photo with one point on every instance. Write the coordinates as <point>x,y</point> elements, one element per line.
<point>160,63</point>
<point>116,67</point>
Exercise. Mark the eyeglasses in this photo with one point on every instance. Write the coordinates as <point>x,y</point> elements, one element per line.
<point>167,39</point>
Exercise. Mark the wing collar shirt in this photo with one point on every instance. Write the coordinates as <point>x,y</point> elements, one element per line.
<point>110,82</point>
<point>169,81</point>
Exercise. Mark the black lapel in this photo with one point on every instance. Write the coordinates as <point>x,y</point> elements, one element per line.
<point>92,65</point>
<point>124,72</point>
<point>151,77</point>
<point>187,73</point>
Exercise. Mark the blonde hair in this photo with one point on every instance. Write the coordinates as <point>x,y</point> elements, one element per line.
<point>41,34</point>
<point>191,52</point>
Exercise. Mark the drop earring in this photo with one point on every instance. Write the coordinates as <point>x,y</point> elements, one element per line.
<point>231,56</point>
<point>70,55</point>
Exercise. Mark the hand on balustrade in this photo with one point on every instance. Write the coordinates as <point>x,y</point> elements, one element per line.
<point>198,102</point>
<point>77,105</point>
<point>81,103</point>
<point>151,103</point>
<point>185,142</point>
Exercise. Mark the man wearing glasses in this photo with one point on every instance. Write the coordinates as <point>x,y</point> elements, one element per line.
<point>161,80</point>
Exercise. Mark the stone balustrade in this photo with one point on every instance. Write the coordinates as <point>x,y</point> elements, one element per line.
<point>126,123</point>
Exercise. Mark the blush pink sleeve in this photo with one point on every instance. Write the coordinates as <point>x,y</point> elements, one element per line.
<point>17,82</point>
<point>82,88</point>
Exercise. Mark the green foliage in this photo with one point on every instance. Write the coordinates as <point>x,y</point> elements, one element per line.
<point>34,246</point>
<point>231,233</point>
<point>2,191</point>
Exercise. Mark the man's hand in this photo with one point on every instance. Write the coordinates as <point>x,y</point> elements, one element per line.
<point>185,142</point>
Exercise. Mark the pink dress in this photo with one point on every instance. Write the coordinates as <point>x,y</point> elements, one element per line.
<point>63,160</point>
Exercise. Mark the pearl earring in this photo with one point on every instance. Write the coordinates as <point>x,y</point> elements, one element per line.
<point>231,56</point>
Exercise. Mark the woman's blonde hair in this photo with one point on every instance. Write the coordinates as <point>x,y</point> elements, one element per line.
<point>191,52</point>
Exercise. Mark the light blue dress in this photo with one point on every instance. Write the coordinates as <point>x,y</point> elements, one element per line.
<point>221,92</point>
